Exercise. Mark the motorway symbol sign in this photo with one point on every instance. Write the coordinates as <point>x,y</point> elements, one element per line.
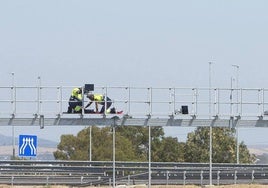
<point>27,145</point>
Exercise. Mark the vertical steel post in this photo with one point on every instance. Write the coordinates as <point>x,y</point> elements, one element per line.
<point>195,100</point>
<point>184,177</point>
<point>13,94</point>
<point>39,96</point>
<point>149,139</point>
<point>237,145</point>
<point>90,143</point>
<point>128,101</point>
<point>150,90</point>
<point>128,180</point>
<point>105,103</point>
<point>259,101</point>
<point>218,178</point>
<point>210,129</point>
<point>231,98</point>
<point>235,177</point>
<point>170,102</point>
<point>150,147</point>
<point>201,178</point>
<point>60,99</point>
<point>12,180</point>
<point>218,106</point>
<point>41,121</point>
<point>114,154</point>
<point>237,81</point>
<point>47,181</point>
<point>83,103</point>
<point>13,113</point>
<point>174,100</point>
<point>236,128</point>
<point>167,173</point>
<point>252,176</point>
<point>262,101</point>
<point>149,157</point>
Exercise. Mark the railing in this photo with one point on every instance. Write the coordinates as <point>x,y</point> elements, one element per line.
<point>139,101</point>
<point>83,173</point>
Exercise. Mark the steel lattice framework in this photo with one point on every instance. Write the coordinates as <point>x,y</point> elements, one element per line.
<point>142,106</point>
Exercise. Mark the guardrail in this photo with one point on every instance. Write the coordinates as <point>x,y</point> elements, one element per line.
<point>85,173</point>
<point>139,101</point>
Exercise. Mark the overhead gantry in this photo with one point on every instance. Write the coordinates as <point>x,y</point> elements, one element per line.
<point>142,106</point>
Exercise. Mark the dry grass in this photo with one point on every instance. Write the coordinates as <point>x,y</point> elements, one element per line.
<point>144,186</point>
<point>222,186</point>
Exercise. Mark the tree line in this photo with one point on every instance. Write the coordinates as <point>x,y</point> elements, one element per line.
<point>132,144</point>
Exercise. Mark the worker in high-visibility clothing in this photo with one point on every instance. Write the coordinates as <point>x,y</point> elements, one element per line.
<point>75,101</point>
<point>99,100</point>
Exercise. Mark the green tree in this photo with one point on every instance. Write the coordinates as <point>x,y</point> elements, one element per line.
<point>131,144</point>
<point>168,150</point>
<point>139,137</point>
<point>77,147</point>
<point>223,146</point>
<point>66,148</point>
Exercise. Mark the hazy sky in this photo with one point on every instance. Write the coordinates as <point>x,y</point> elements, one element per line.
<point>135,43</point>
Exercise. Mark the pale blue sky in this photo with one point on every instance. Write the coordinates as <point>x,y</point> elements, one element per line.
<point>135,43</point>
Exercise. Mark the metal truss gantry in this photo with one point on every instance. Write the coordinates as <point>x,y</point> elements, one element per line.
<point>226,107</point>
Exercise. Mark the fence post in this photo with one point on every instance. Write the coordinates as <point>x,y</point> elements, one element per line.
<point>235,177</point>
<point>128,180</point>
<point>218,177</point>
<point>47,180</point>
<point>184,177</point>
<point>12,181</point>
<point>201,178</point>
<point>167,177</point>
<point>81,179</point>
<point>110,182</point>
<point>252,176</point>
<point>99,178</point>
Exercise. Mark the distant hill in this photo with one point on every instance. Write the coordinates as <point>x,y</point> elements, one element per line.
<point>258,149</point>
<point>45,148</point>
<point>7,141</point>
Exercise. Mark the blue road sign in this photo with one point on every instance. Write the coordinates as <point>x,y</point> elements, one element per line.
<point>27,145</point>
